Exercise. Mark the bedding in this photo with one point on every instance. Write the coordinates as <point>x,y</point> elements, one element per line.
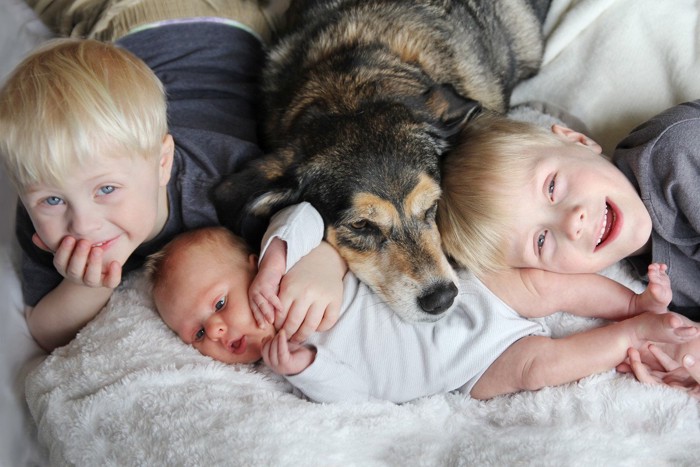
<point>20,31</point>
<point>126,391</point>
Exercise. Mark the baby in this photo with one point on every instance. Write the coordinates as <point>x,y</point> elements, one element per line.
<point>201,283</point>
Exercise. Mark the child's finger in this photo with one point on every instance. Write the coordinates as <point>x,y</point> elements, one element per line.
<point>258,314</point>
<point>295,316</point>
<point>93,269</point>
<point>282,348</point>
<point>668,363</point>
<point>639,369</point>
<point>63,254</point>
<point>309,325</point>
<point>274,344</point>
<point>281,317</point>
<point>113,276</point>
<point>275,305</point>
<point>330,317</point>
<point>267,310</point>
<point>78,261</point>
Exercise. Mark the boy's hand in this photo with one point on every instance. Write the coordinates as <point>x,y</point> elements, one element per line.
<point>82,264</point>
<point>286,358</point>
<point>658,294</point>
<point>311,293</point>
<point>684,375</point>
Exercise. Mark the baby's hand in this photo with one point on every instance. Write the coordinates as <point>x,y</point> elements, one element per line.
<point>262,295</point>
<point>286,358</point>
<point>82,264</point>
<point>657,296</point>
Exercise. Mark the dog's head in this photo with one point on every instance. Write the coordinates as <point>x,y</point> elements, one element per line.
<point>374,177</point>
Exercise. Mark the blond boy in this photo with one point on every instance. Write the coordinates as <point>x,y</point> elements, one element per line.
<point>113,147</point>
<point>528,209</point>
<point>522,202</point>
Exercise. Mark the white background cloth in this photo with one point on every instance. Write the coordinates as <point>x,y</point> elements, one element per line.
<point>20,31</point>
<point>128,391</point>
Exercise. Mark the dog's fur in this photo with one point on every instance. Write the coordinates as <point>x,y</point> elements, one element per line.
<point>362,98</point>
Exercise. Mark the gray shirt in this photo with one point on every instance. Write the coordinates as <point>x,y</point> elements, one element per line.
<point>662,159</point>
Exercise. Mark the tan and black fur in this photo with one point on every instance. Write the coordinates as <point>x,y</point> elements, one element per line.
<point>362,97</point>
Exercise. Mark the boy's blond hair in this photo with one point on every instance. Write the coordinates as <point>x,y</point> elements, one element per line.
<point>232,247</point>
<point>74,101</point>
<point>481,177</point>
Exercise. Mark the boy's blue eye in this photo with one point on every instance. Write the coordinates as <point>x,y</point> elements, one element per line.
<point>107,189</point>
<point>53,200</point>
<point>200,335</point>
<point>220,304</point>
<point>540,240</point>
<point>550,189</point>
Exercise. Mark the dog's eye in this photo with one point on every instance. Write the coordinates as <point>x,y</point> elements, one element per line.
<point>430,214</point>
<point>359,225</point>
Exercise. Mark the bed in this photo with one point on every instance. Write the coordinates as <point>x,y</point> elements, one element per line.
<point>127,392</point>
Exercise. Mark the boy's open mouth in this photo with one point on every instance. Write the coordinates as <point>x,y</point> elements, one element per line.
<point>609,220</point>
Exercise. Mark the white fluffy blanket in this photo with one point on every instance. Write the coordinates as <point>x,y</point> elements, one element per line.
<point>127,392</point>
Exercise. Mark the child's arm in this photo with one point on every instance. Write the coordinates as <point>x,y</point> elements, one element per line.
<point>57,318</point>
<point>535,362</point>
<point>310,291</point>
<point>320,376</point>
<point>60,314</point>
<point>536,293</point>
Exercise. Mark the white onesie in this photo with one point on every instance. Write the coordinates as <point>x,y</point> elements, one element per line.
<point>371,353</point>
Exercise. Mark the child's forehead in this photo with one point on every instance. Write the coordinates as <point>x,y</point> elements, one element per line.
<point>70,170</point>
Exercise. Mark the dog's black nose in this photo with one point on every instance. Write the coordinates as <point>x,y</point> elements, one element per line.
<point>438,298</point>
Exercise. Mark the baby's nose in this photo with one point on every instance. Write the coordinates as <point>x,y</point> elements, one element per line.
<point>215,328</point>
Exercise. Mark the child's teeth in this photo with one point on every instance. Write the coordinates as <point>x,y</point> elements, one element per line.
<point>602,228</point>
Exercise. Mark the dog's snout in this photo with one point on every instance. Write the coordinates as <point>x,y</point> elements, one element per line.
<point>439,298</point>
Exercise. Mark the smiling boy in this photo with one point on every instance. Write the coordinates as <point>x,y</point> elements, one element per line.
<point>519,198</point>
<point>106,169</point>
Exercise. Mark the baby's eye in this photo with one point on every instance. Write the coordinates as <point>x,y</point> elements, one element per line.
<point>200,335</point>
<point>53,200</point>
<point>220,304</point>
<point>107,189</point>
<point>540,241</point>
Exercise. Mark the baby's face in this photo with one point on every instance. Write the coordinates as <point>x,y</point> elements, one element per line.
<point>205,301</point>
<point>577,213</point>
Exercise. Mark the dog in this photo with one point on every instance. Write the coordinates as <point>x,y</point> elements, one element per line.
<point>362,97</point>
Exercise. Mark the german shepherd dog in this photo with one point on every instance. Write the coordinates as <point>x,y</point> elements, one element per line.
<point>362,98</point>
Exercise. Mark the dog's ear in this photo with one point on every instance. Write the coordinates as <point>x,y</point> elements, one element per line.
<point>245,200</point>
<point>451,108</point>
<point>268,203</point>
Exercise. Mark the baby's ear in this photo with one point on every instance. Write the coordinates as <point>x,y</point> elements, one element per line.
<point>576,137</point>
